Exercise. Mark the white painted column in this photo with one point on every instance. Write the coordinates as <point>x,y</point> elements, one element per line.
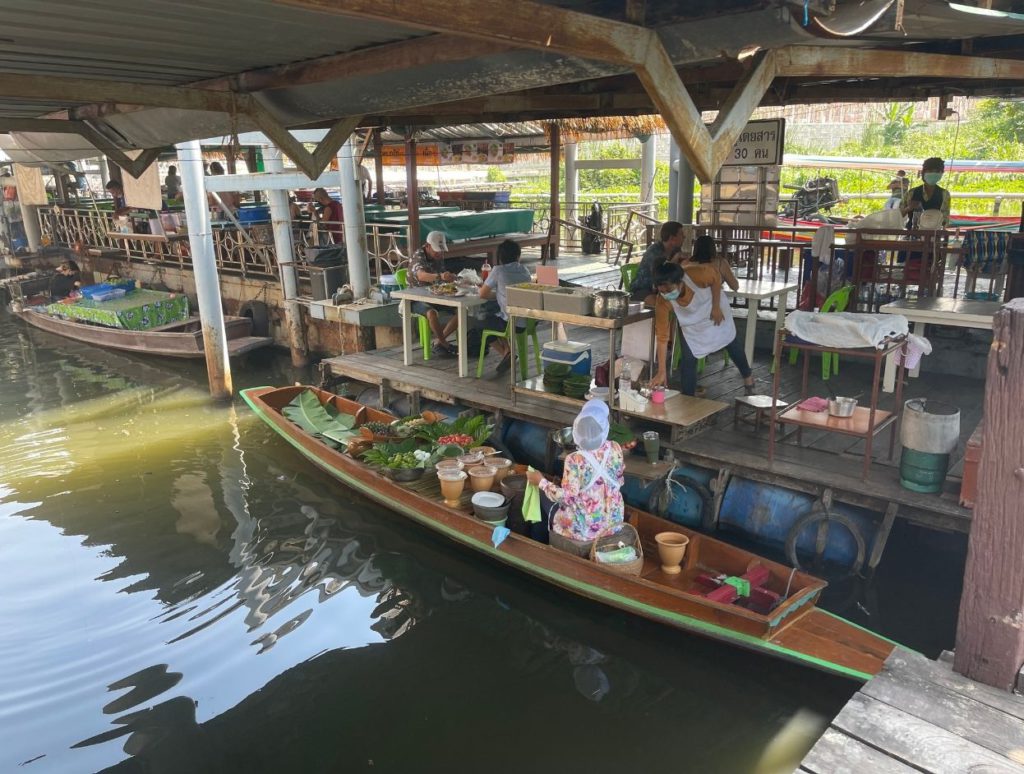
<point>572,179</point>
<point>281,220</point>
<point>684,202</point>
<point>30,222</point>
<point>204,268</point>
<point>647,158</point>
<point>673,178</point>
<point>355,222</point>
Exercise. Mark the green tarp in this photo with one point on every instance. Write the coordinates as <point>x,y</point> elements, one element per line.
<point>378,214</point>
<point>140,310</point>
<point>471,225</point>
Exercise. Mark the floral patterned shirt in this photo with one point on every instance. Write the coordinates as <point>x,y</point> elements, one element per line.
<point>588,504</point>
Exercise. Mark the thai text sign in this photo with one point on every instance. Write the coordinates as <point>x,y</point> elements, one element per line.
<point>760,142</point>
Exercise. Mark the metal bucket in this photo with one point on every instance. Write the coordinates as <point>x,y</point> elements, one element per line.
<point>930,426</point>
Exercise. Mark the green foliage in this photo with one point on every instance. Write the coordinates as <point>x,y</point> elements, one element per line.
<point>393,455</point>
<point>475,426</point>
<point>495,174</point>
<point>333,428</point>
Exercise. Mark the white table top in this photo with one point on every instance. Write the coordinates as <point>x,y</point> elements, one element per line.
<point>759,289</point>
<point>945,311</point>
<point>471,298</point>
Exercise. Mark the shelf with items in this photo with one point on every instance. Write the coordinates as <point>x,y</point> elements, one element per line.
<point>866,422</point>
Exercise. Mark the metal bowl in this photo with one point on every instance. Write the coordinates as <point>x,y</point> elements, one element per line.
<point>563,437</point>
<point>403,474</point>
<point>841,407</point>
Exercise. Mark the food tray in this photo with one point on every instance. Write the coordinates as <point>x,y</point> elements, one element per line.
<point>527,295</point>
<point>568,301</point>
<point>109,295</point>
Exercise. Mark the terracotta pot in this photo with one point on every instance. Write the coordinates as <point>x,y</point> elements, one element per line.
<point>502,467</point>
<point>452,484</point>
<point>481,478</point>
<point>671,550</point>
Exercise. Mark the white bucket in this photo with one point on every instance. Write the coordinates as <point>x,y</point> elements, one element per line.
<point>930,426</point>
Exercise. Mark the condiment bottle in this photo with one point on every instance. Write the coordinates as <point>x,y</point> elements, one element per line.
<point>485,269</point>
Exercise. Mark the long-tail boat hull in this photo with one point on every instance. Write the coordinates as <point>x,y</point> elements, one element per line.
<point>795,630</point>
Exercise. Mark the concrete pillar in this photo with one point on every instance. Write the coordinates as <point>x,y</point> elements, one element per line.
<point>412,192</point>
<point>30,221</point>
<point>355,221</point>
<point>104,171</point>
<point>673,178</point>
<point>378,166</point>
<point>204,268</point>
<point>647,158</point>
<point>281,220</point>
<point>572,180</point>
<point>684,204</point>
<point>556,213</point>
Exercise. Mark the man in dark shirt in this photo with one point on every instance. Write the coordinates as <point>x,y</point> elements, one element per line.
<point>329,217</point>
<point>428,268</point>
<point>656,254</point>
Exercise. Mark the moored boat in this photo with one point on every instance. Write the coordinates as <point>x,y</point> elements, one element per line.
<point>785,622</point>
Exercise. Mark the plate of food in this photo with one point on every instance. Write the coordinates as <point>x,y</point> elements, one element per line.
<point>450,289</point>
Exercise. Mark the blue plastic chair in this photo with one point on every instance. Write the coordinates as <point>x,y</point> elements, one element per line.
<point>402,278</point>
<point>529,331</point>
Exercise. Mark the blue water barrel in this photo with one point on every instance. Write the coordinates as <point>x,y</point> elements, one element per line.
<point>690,499</point>
<point>526,442</point>
<point>767,513</point>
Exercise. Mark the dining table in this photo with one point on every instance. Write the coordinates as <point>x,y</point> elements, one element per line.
<point>755,291</point>
<point>468,298</point>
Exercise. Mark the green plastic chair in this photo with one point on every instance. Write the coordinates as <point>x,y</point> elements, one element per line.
<point>836,302</point>
<point>402,278</point>
<point>530,330</point>
<point>628,273</point>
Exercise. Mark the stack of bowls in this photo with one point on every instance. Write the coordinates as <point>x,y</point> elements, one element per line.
<point>491,508</point>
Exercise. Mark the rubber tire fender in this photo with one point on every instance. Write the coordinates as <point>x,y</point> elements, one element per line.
<point>260,315</point>
<point>820,513</point>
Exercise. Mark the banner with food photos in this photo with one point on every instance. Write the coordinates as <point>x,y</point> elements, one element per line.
<point>448,153</point>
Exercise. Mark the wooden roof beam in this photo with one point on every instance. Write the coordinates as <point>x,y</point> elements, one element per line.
<point>825,61</point>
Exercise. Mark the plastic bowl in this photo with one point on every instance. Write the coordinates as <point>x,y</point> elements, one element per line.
<point>449,464</point>
<point>481,478</point>
<point>490,507</point>
<point>469,460</point>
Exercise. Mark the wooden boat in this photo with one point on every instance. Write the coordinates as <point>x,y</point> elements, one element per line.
<point>180,339</point>
<point>795,629</point>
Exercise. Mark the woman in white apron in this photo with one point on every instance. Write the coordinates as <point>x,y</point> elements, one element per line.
<point>589,501</point>
<point>695,297</point>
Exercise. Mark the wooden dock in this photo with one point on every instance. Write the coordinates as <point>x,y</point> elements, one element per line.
<point>918,715</point>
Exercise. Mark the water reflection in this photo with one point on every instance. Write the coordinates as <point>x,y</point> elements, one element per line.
<point>186,594</point>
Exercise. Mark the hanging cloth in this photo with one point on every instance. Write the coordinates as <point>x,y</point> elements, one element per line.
<point>701,334</point>
<point>531,504</point>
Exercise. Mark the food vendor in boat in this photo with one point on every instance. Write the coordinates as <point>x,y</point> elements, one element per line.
<point>589,500</point>
<point>66,281</point>
<point>927,196</point>
<point>428,269</point>
<point>693,294</point>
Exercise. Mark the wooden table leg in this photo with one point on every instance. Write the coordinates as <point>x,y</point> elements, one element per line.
<point>748,345</point>
<point>406,331</point>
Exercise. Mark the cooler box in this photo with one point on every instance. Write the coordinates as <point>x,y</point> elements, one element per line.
<point>570,353</point>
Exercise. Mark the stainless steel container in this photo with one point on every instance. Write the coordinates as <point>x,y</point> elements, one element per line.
<point>611,303</point>
<point>841,407</point>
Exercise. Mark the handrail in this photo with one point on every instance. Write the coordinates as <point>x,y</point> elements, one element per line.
<point>608,237</point>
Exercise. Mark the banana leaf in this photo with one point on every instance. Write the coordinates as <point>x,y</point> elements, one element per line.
<point>306,411</point>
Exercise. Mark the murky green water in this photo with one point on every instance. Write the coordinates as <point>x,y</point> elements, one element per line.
<point>182,593</point>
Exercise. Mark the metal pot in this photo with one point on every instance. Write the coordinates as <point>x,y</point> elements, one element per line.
<point>841,407</point>
<point>611,303</point>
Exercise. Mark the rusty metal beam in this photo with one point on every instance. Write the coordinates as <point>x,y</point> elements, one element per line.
<point>390,57</point>
<point>134,167</point>
<point>311,163</point>
<point>823,61</point>
<point>735,113</point>
<point>17,86</point>
<point>522,23</point>
<point>40,125</point>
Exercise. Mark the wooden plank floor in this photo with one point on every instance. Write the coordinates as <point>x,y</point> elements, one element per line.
<point>824,459</point>
<point>918,715</point>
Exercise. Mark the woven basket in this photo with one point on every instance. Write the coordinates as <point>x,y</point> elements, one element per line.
<point>626,536</point>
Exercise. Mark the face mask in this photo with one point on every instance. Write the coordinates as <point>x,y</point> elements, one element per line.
<point>671,296</point>
<point>931,178</point>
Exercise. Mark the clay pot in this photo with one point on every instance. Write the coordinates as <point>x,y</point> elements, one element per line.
<point>449,465</point>
<point>671,550</point>
<point>452,484</point>
<point>481,478</point>
<point>502,467</point>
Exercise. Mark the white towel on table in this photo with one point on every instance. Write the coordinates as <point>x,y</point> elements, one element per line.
<point>846,330</point>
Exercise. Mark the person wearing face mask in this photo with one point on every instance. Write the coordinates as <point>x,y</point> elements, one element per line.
<point>693,294</point>
<point>928,196</point>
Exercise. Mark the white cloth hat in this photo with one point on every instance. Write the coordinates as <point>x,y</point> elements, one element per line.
<point>596,408</point>
<point>589,431</point>
<point>437,241</point>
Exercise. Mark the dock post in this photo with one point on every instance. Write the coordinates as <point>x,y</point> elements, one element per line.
<point>378,167</point>
<point>355,221</point>
<point>990,630</point>
<point>281,221</point>
<point>412,192</point>
<point>204,268</point>
<point>572,178</point>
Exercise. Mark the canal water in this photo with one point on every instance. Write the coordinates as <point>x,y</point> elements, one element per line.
<point>182,593</point>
